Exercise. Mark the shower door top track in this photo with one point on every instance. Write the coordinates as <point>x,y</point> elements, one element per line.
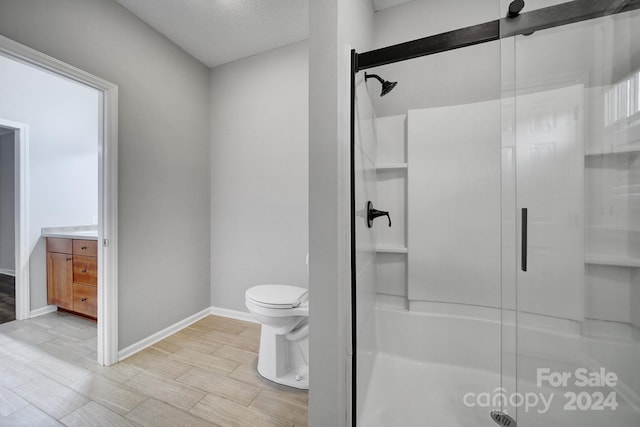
<point>525,23</point>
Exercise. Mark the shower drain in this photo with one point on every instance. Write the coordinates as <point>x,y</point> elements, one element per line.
<point>503,419</point>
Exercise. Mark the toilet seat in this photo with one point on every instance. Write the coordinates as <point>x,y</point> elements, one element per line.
<point>277,296</point>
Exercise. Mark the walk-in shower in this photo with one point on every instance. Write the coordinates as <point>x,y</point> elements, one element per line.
<point>507,290</point>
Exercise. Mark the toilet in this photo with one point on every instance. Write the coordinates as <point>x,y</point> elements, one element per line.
<point>283,311</point>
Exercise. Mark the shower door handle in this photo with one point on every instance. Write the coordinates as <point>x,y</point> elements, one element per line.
<point>523,241</point>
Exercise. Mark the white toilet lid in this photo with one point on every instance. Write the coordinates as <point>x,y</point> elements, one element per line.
<point>277,296</point>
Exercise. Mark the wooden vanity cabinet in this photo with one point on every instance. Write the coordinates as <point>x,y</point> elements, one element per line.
<point>72,275</point>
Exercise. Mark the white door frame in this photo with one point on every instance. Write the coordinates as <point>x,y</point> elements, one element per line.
<point>21,214</point>
<point>107,194</point>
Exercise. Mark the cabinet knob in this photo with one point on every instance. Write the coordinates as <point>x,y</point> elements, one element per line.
<point>83,300</point>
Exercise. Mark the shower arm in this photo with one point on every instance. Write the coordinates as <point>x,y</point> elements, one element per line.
<point>375,76</point>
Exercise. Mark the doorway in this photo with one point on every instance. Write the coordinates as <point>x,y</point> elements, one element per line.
<point>106,201</point>
<point>7,226</point>
<point>14,262</point>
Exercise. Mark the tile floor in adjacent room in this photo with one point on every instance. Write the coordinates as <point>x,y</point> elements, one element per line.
<point>203,375</point>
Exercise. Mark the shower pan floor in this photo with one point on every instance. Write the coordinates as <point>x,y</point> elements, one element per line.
<point>405,393</point>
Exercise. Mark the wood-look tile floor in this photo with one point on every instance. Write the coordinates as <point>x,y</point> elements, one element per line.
<point>204,375</point>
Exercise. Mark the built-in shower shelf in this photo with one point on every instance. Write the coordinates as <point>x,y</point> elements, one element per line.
<point>620,261</point>
<point>618,150</point>
<point>392,249</point>
<point>389,166</point>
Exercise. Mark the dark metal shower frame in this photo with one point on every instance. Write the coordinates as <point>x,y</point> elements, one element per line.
<point>522,24</point>
<point>525,23</point>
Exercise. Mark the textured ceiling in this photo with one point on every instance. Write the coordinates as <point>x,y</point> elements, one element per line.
<point>220,31</point>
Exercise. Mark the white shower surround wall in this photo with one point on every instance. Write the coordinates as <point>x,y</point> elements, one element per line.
<point>441,350</point>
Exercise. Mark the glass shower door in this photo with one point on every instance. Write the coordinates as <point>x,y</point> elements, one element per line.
<point>364,163</point>
<point>428,288</point>
<point>575,127</point>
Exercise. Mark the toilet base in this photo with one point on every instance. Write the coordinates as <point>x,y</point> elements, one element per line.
<point>289,379</point>
<point>283,361</point>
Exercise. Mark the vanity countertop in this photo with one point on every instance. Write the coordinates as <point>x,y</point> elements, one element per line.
<point>84,232</point>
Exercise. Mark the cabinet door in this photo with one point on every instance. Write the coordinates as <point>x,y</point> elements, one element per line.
<point>60,280</point>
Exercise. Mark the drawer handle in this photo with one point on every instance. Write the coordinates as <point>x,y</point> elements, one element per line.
<point>84,248</point>
<point>84,270</point>
<point>69,259</point>
<point>83,300</point>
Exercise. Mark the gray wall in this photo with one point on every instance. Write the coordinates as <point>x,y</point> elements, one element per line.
<point>456,77</point>
<point>259,173</point>
<point>163,150</point>
<point>335,26</point>
<point>7,202</point>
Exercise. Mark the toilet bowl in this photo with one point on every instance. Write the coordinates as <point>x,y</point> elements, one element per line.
<point>283,312</point>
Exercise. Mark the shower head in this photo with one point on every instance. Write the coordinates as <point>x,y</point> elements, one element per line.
<point>387,86</point>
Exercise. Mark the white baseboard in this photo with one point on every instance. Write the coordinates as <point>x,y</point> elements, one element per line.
<point>160,335</point>
<point>170,330</point>
<point>42,310</point>
<point>8,272</point>
<point>233,314</point>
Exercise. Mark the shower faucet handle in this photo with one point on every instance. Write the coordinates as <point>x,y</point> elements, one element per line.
<point>375,213</point>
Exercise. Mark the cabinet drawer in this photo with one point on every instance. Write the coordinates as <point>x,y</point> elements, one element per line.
<point>85,300</point>
<point>56,244</point>
<point>85,247</point>
<point>85,270</point>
